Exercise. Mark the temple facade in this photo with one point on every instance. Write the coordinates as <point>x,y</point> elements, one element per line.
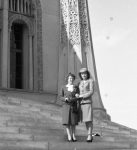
<point>43,40</point>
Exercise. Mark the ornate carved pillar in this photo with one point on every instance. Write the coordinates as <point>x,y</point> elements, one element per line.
<point>76,42</point>
<point>4,54</point>
<point>70,43</point>
<point>30,62</point>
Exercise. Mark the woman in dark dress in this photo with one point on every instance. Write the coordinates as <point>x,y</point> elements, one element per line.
<point>69,109</point>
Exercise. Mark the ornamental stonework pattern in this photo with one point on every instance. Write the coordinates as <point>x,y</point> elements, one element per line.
<point>85,36</point>
<point>64,22</point>
<point>13,17</point>
<point>70,27</point>
<point>74,26</point>
<point>39,45</point>
<point>74,22</point>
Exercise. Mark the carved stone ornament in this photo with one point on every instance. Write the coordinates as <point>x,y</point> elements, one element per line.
<point>85,36</point>
<point>38,11</point>
<point>23,18</point>
<point>74,26</point>
<point>64,22</point>
<point>74,22</point>
<point>70,27</point>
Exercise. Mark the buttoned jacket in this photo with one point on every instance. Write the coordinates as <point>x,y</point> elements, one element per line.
<point>86,90</point>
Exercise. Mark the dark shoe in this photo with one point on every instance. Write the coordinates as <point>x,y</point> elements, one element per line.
<point>74,140</point>
<point>69,140</point>
<point>90,140</point>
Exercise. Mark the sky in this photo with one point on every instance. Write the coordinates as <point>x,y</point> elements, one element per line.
<point>114,36</point>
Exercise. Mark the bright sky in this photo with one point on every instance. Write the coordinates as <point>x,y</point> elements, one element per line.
<point>114,33</point>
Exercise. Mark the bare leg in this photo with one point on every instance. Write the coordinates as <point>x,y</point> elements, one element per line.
<point>73,132</point>
<point>68,132</point>
<point>89,126</point>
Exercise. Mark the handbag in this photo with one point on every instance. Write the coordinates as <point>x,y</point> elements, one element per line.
<point>74,108</point>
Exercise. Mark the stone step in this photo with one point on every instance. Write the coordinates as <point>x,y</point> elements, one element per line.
<point>105,123</point>
<point>105,134</point>
<point>15,137</point>
<point>54,126</point>
<point>27,124</point>
<point>9,129</point>
<point>46,131</point>
<point>59,118</point>
<point>102,131</point>
<point>111,130</point>
<point>16,111</point>
<point>52,135</point>
<point>25,96</point>
<point>63,138</point>
<point>25,145</point>
<point>39,129</point>
<point>45,134</point>
<point>31,125</point>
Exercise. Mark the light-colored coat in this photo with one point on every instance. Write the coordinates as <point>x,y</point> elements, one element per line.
<point>86,90</point>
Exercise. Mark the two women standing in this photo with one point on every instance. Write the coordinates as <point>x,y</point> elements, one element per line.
<point>80,94</point>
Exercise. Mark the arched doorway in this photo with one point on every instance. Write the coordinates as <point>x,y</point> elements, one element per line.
<point>19,56</point>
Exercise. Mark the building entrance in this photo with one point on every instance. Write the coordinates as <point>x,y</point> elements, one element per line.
<point>16,56</point>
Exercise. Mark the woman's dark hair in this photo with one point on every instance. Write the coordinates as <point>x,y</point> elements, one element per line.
<point>87,72</point>
<point>70,75</point>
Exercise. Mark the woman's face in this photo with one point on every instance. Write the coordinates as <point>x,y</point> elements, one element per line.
<point>84,75</point>
<point>70,80</point>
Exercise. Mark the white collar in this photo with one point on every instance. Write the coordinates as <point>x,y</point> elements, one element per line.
<point>69,85</point>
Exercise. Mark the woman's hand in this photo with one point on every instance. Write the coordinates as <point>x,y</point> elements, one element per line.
<point>66,99</point>
<point>80,96</point>
<point>77,95</point>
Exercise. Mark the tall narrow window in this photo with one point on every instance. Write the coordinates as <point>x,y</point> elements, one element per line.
<point>21,6</point>
<point>9,4</point>
<point>26,8</point>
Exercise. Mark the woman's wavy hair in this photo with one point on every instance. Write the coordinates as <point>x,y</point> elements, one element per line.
<point>70,75</point>
<point>87,72</point>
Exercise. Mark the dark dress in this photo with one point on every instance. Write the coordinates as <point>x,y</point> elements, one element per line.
<point>69,116</point>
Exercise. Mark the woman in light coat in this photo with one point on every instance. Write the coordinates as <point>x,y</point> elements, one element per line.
<point>86,91</point>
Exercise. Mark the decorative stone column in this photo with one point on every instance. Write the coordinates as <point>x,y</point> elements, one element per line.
<point>76,42</point>
<point>8,65</point>
<point>30,36</point>
<point>70,53</point>
<point>4,54</point>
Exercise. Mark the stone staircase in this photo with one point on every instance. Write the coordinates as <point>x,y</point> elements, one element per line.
<point>27,124</point>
